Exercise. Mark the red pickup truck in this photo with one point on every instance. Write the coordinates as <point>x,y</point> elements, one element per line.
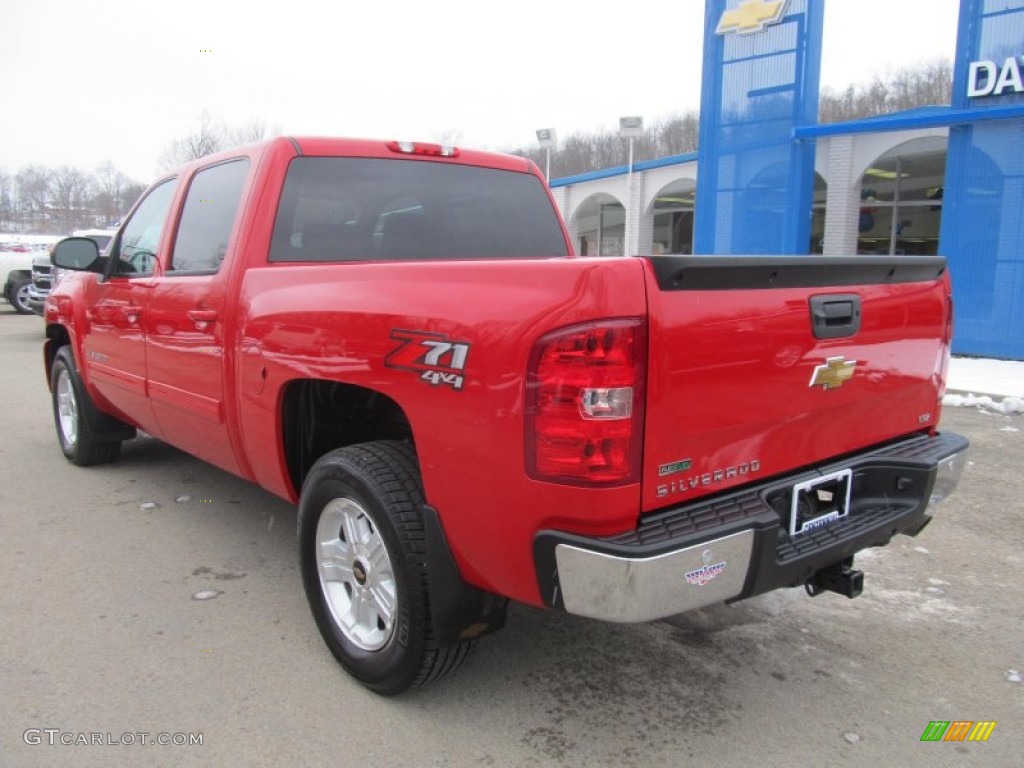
<point>399,338</point>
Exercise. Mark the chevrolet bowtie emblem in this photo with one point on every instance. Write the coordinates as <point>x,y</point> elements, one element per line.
<point>751,16</point>
<point>833,373</point>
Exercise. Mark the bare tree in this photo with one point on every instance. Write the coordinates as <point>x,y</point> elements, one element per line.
<point>209,137</point>
<point>6,200</point>
<point>677,134</point>
<point>108,184</point>
<point>928,84</point>
<point>246,133</point>
<point>33,183</point>
<point>206,139</point>
<point>69,198</point>
<point>131,192</point>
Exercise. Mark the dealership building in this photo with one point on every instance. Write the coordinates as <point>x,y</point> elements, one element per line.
<point>771,180</point>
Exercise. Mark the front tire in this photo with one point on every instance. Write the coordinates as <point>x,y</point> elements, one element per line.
<point>364,567</point>
<point>70,401</point>
<point>17,295</point>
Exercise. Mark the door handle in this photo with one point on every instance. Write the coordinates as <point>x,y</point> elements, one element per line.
<point>202,317</point>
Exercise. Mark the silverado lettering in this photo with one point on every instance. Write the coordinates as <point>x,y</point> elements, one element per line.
<point>256,309</point>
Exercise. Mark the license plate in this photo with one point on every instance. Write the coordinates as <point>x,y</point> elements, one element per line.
<point>820,502</point>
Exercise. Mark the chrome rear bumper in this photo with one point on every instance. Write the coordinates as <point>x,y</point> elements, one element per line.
<point>621,589</point>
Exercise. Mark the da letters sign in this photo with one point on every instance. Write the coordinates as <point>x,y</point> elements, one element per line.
<point>989,78</point>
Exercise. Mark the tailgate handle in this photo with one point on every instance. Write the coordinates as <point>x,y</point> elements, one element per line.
<point>835,316</point>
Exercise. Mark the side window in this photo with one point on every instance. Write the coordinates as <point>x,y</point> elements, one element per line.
<point>136,249</point>
<point>208,217</point>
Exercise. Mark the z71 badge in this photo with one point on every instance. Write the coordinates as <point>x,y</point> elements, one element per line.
<point>437,358</point>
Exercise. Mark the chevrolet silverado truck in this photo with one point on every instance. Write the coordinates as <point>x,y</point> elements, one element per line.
<point>399,338</point>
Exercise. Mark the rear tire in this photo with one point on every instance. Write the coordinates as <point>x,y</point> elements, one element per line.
<point>17,295</point>
<point>363,558</point>
<point>69,407</point>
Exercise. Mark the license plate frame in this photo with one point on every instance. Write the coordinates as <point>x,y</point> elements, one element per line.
<point>820,502</point>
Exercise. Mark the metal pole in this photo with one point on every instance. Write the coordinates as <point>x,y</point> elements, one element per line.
<point>626,229</point>
<point>893,229</point>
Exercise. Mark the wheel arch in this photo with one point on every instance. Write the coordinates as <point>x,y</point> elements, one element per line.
<point>57,336</point>
<point>319,415</point>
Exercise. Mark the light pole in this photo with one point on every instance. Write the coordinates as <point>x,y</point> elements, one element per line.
<point>548,140</point>
<point>631,127</point>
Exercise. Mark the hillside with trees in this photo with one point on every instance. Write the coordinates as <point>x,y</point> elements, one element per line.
<point>928,84</point>
<point>56,201</point>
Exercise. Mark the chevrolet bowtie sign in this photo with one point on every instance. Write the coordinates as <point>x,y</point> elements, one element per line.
<point>833,373</point>
<point>751,16</point>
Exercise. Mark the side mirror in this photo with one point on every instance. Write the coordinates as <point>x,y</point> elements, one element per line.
<point>78,253</point>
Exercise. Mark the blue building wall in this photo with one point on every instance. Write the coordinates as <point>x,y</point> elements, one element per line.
<point>761,75</point>
<point>983,203</point>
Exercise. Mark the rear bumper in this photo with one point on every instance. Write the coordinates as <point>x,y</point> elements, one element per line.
<point>737,545</point>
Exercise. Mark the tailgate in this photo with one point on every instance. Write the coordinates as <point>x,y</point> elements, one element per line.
<point>759,366</point>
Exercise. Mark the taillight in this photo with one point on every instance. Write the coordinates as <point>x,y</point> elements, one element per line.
<point>947,346</point>
<point>584,404</point>
<point>423,148</point>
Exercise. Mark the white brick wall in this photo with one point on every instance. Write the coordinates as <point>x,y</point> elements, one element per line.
<point>842,212</point>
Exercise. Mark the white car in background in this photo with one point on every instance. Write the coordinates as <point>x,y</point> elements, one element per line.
<point>45,276</point>
<point>17,252</point>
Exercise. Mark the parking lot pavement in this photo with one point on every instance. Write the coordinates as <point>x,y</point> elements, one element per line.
<point>103,633</point>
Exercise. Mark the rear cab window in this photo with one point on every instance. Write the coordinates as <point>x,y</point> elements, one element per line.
<point>368,209</point>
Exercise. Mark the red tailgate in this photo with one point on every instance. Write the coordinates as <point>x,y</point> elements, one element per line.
<point>742,386</point>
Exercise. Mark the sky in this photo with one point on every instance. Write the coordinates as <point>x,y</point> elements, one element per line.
<point>118,80</point>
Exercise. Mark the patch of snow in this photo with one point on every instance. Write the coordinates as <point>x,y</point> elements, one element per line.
<point>998,378</point>
<point>206,594</point>
<point>985,403</point>
<point>149,506</point>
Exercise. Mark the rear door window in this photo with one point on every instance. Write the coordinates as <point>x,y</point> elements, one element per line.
<point>208,217</point>
<point>361,209</point>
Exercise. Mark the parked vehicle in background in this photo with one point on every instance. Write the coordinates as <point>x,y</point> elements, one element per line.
<point>16,268</point>
<point>45,276</point>
<point>17,253</point>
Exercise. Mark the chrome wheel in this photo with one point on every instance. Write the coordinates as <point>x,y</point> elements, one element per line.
<point>67,409</point>
<point>21,299</point>
<point>356,576</point>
